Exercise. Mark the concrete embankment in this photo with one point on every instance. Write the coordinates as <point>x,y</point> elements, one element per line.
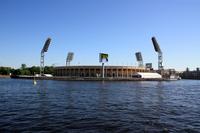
<point>87,78</point>
<point>4,76</point>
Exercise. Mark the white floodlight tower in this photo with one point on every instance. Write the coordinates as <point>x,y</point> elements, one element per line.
<point>139,59</point>
<point>45,49</point>
<point>160,55</point>
<point>70,57</point>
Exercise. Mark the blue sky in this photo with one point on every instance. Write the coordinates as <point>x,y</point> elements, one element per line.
<point>88,27</point>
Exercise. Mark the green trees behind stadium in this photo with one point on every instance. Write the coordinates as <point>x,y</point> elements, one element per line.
<point>24,70</point>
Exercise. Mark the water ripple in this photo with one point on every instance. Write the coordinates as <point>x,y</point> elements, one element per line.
<point>120,107</point>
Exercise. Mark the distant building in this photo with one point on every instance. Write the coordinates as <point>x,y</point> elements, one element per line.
<point>191,74</point>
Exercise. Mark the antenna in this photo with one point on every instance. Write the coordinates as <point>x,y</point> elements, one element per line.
<point>158,50</point>
<point>45,49</point>
<point>69,58</point>
<point>139,59</point>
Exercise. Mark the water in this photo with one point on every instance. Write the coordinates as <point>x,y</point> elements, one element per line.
<point>99,107</point>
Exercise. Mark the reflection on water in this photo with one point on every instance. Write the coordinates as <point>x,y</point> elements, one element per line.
<point>61,106</point>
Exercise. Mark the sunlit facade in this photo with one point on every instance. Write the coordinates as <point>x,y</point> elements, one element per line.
<point>96,71</point>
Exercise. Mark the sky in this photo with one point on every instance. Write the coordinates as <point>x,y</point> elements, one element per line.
<point>89,27</point>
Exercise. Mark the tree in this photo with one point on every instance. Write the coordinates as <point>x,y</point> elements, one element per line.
<point>5,70</point>
<point>34,70</point>
<point>24,70</point>
<point>23,66</point>
<point>49,70</point>
<point>16,72</point>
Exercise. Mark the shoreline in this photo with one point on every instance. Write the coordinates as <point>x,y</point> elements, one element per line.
<point>5,76</point>
<point>88,78</point>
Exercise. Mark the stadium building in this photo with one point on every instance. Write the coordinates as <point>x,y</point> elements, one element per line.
<point>96,71</point>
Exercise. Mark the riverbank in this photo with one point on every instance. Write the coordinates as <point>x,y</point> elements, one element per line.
<point>4,76</point>
<point>88,78</point>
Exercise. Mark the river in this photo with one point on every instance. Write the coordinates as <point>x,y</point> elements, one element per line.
<point>99,107</point>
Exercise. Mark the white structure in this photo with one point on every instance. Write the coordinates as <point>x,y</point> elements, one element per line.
<point>48,75</point>
<point>147,75</point>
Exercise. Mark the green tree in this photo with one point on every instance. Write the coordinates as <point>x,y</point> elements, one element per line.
<point>25,72</point>
<point>34,69</point>
<point>23,66</point>
<point>5,70</point>
<point>16,72</point>
<point>49,70</point>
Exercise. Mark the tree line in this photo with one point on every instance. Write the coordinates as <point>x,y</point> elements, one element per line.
<point>24,70</point>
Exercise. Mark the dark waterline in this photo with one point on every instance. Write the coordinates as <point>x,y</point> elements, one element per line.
<point>99,107</point>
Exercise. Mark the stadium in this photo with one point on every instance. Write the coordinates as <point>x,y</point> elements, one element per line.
<point>96,71</point>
